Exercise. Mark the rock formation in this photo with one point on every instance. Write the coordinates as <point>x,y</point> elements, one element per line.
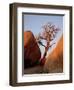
<point>32,52</point>
<point>54,62</point>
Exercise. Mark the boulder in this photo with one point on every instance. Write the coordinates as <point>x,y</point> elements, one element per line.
<point>32,52</point>
<point>54,62</point>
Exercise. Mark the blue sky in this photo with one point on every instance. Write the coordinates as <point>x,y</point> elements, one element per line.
<point>34,23</point>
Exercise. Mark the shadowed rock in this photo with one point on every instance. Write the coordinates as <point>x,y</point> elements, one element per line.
<point>32,52</point>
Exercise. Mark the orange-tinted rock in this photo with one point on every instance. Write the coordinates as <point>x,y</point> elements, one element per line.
<point>32,52</point>
<point>57,51</point>
<point>54,62</point>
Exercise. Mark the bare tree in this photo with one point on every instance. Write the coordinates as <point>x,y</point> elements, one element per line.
<point>48,34</point>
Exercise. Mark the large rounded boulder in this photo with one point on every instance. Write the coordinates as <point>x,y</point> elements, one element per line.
<point>54,61</point>
<point>32,52</point>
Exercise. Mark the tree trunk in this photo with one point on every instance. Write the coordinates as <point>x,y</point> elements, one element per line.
<point>43,59</point>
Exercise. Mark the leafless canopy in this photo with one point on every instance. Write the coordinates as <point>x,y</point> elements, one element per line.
<point>48,34</point>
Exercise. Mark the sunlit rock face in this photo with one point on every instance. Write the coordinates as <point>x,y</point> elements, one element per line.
<point>54,61</point>
<point>32,52</point>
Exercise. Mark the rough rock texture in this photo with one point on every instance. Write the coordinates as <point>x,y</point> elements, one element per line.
<point>32,52</point>
<point>54,62</point>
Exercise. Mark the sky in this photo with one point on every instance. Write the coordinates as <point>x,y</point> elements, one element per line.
<point>35,22</point>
